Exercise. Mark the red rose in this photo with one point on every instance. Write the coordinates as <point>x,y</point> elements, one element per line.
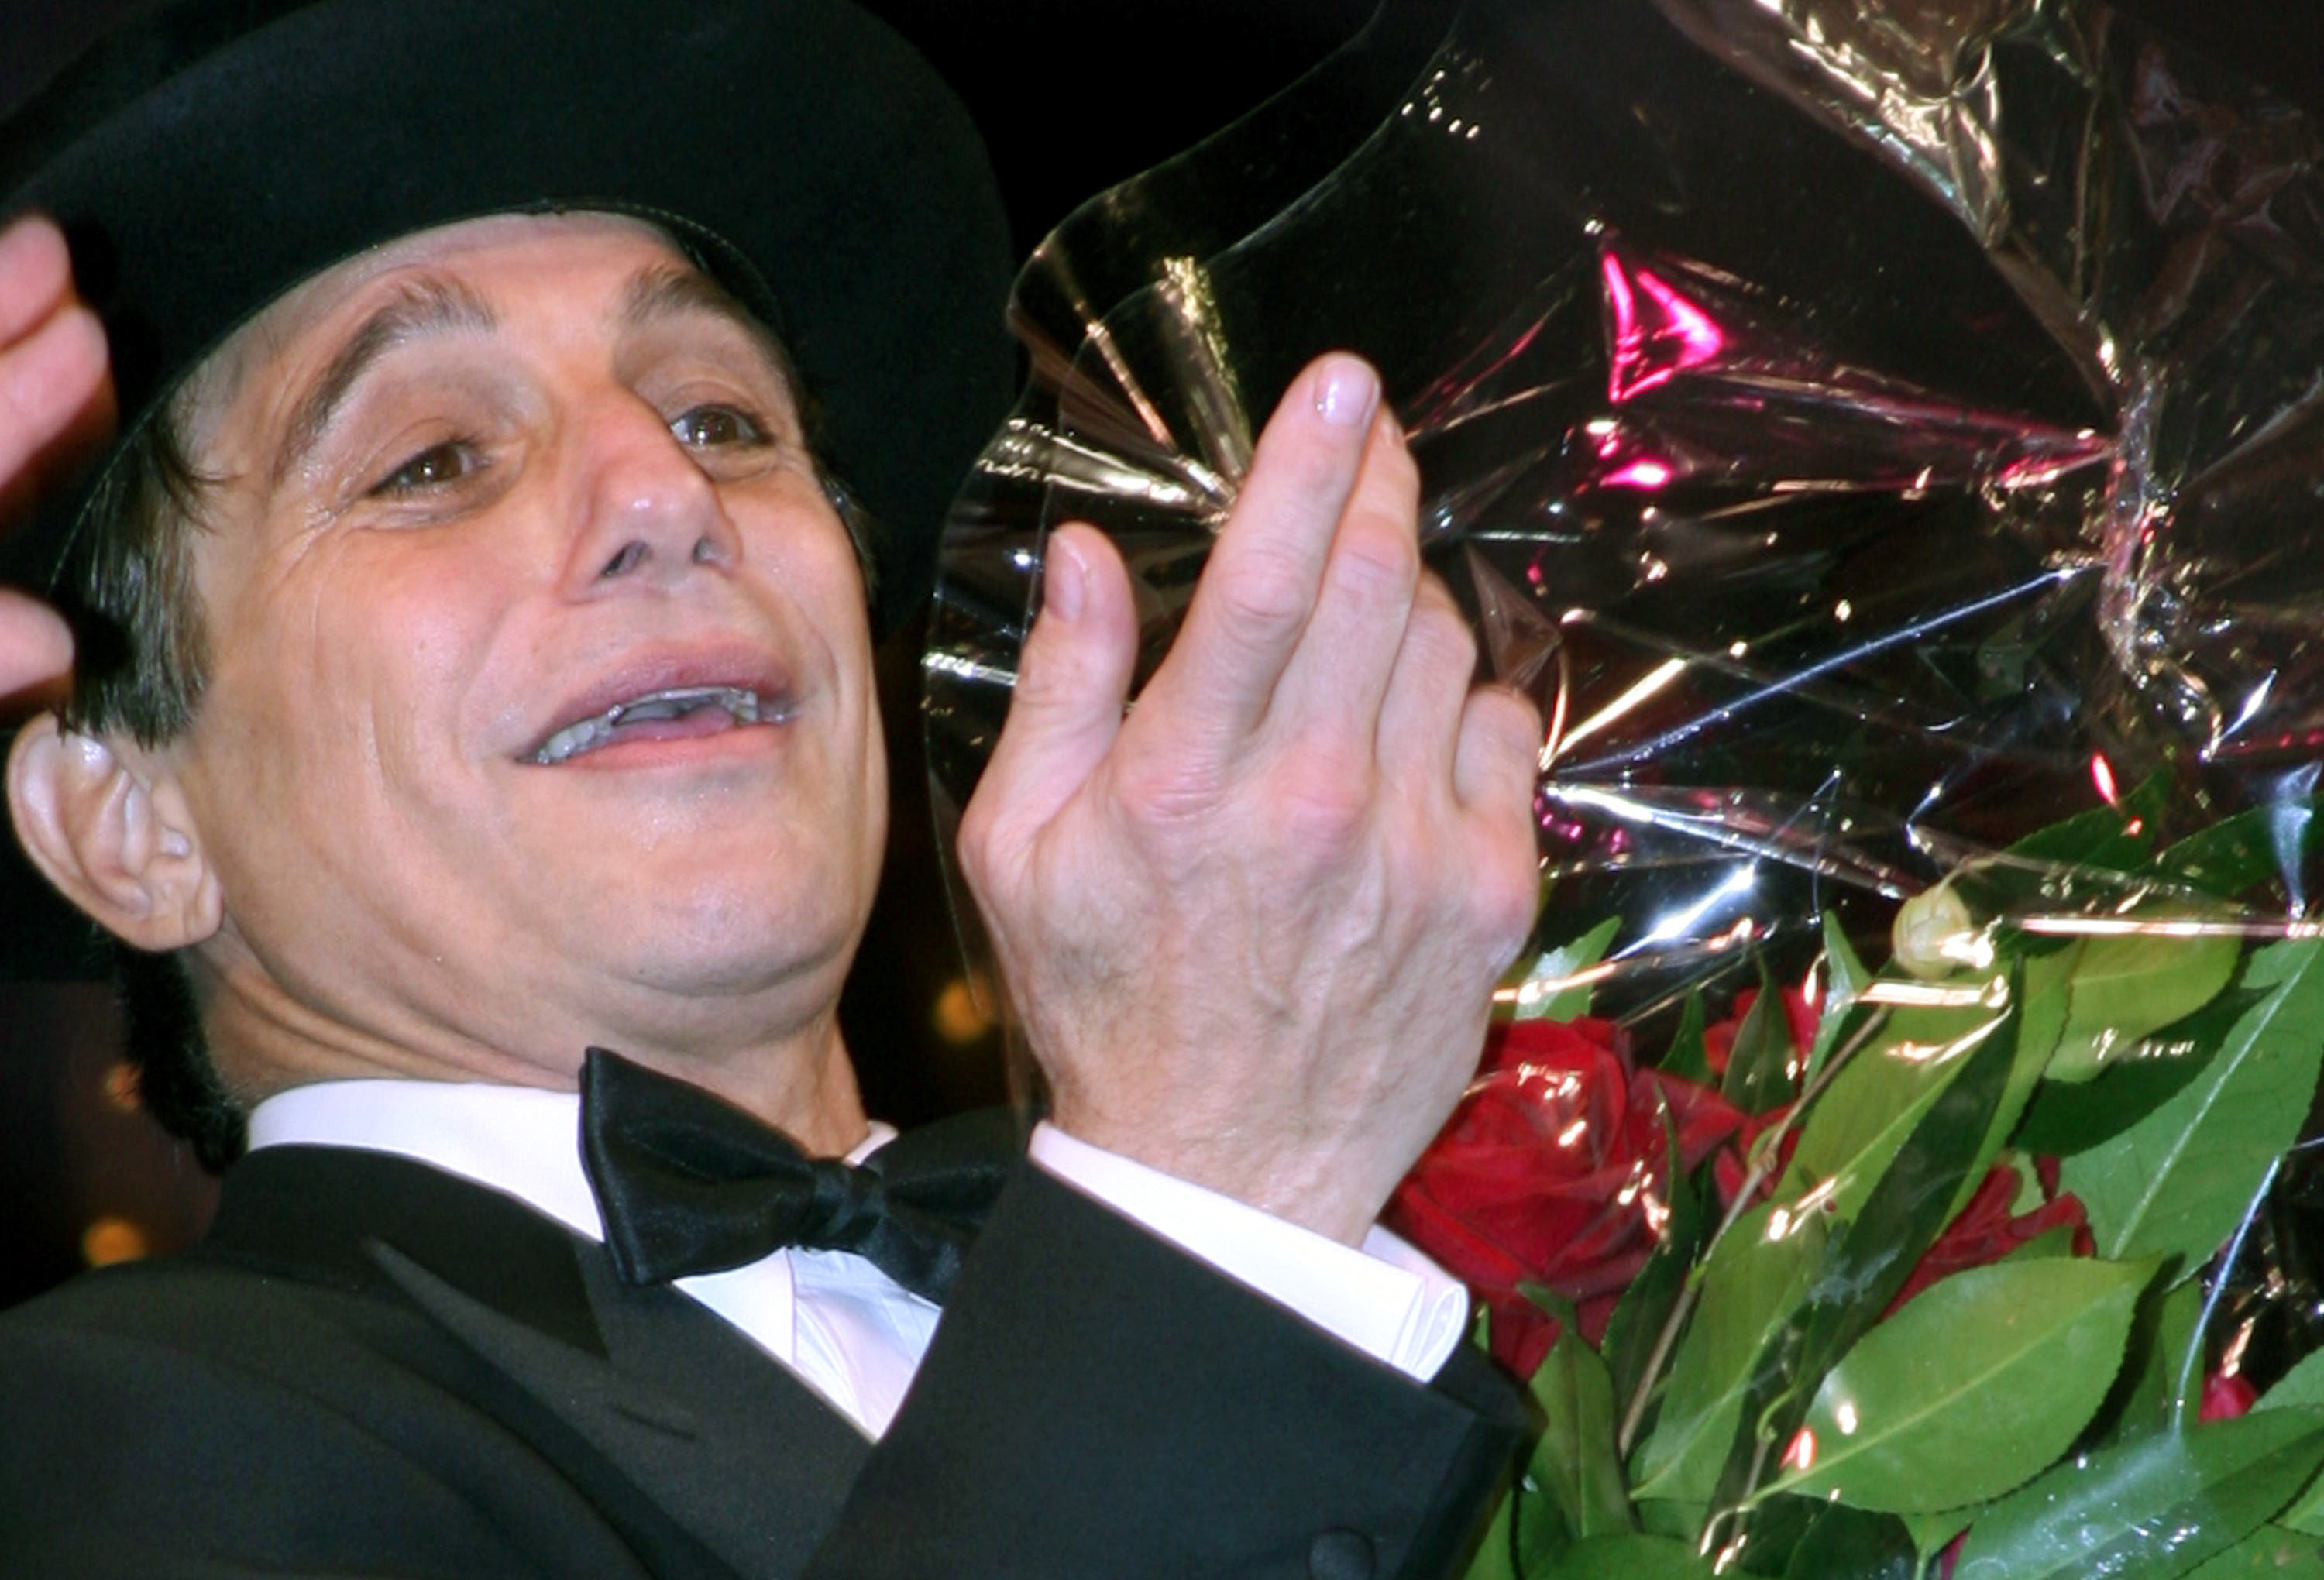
<point>1985,1231</point>
<point>1553,1172</point>
<point>1732,1166</point>
<point>1801,1018</point>
<point>2226,1395</point>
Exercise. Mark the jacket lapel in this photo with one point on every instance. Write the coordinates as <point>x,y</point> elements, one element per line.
<point>646,1384</point>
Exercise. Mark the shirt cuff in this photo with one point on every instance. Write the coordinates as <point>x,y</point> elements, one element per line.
<point>1386,1299</point>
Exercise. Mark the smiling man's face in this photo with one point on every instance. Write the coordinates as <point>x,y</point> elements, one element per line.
<point>540,709</point>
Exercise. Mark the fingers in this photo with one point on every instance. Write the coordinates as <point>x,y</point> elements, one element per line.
<point>1496,762</point>
<point>53,370</point>
<point>47,381</point>
<point>35,271</point>
<point>1331,691</point>
<point>1071,684</point>
<point>52,357</point>
<point>35,647</point>
<point>1420,717</point>
<point>1261,584</point>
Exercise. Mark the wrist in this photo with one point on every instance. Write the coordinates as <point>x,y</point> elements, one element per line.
<point>1282,1180</point>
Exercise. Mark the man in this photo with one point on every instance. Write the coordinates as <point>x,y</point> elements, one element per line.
<point>481,679</point>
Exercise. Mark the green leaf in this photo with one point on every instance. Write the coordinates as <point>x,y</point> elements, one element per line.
<point>2044,979</point>
<point>1494,1559</point>
<point>2081,851</point>
<point>2241,852</point>
<point>2100,837</point>
<point>2124,988</point>
<point>1548,992</point>
<point>1630,1557</point>
<point>2152,1508</point>
<point>1574,1461</point>
<point>2064,1119</point>
<point>1978,1383</point>
<point>1841,1541</point>
<point>1762,1066</point>
<point>2165,1359</point>
<point>2177,1182</point>
<point>1685,1057</point>
<point>1855,1128</point>
<point>2147,804</point>
<point>2269,1553</point>
<point>1765,1539</point>
<point>2306,1514</point>
<point>2299,1389</point>
<point>2301,1386</point>
<point>1646,1303</point>
<point>1867,1262</point>
<point>1750,1285</point>
<point>1845,981</point>
<point>1932,1532</point>
<point>1667,1517</point>
<point>1538,1532</point>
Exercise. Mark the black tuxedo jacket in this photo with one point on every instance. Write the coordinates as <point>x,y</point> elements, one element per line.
<point>372,1368</point>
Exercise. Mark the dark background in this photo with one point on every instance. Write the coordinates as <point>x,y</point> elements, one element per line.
<point>1073,95</point>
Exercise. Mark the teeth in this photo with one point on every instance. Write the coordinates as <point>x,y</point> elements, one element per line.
<point>674,704</point>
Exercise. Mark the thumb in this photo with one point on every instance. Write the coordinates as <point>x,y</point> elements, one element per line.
<point>1072,682</point>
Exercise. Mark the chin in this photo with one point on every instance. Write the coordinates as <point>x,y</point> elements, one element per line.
<point>728,938</point>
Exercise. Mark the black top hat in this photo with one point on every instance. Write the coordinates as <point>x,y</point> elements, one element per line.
<point>211,154</point>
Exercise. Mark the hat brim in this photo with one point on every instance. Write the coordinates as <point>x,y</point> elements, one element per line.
<point>202,165</point>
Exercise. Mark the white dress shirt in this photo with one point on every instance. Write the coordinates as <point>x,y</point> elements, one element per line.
<point>839,1323</point>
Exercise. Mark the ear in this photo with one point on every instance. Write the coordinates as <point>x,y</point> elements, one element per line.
<point>104,822</point>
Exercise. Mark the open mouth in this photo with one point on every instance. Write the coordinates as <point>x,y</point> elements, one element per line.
<point>674,713</point>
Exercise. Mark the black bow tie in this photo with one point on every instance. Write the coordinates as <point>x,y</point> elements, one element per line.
<point>689,1184</point>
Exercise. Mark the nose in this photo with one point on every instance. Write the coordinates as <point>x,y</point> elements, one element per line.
<point>649,515</point>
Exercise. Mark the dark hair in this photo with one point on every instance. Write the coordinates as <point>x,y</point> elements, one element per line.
<point>143,658</point>
<point>128,588</point>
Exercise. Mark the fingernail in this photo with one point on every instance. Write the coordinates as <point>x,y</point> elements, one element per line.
<point>1347,392</point>
<point>1065,581</point>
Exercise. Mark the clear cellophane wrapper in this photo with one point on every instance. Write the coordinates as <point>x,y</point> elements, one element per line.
<point>1888,441</point>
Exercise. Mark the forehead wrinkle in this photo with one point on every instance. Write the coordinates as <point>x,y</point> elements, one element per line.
<point>422,304</point>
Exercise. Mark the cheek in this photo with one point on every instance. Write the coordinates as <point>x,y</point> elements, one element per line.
<point>344,686</point>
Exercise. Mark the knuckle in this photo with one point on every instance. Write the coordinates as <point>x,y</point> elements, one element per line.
<point>1513,903</point>
<point>1441,638</point>
<point>974,845</point>
<point>1376,560</point>
<point>1502,898</point>
<point>1323,807</point>
<point>1161,790</point>
<point>1261,591</point>
<point>1510,731</point>
<point>1392,470</point>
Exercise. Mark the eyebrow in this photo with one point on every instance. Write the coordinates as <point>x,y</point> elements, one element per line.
<point>423,305</point>
<point>662,292</point>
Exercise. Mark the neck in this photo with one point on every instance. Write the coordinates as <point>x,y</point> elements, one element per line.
<point>798,1078</point>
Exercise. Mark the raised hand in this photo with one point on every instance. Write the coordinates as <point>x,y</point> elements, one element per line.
<point>1253,927</point>
<point>53,391</point>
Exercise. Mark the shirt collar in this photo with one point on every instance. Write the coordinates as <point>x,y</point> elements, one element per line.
<point>521,1141</point>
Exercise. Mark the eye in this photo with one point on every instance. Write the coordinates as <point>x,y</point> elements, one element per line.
<point>434,467</point>
<point>714,426</point>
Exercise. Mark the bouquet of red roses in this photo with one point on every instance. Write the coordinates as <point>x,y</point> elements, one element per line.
<point>1912,1263</point>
